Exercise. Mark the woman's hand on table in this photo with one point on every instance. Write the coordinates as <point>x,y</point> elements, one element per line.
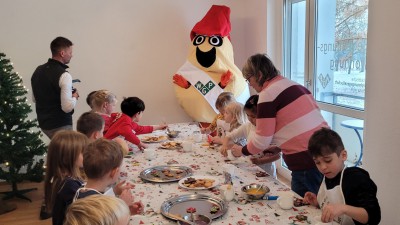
<point>311,199</point>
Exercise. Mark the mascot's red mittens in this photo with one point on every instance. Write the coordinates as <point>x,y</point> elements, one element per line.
<point>226,78</point>
<point>180,81</point>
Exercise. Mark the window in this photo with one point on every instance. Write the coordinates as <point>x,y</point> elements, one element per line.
<point>325,44</point>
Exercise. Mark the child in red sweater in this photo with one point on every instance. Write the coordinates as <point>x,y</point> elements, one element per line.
<point>125,124</point>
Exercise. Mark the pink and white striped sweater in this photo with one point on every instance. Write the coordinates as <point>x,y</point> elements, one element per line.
<point>287,116</point>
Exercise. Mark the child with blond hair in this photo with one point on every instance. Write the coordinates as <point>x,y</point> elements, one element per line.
<point>104,103</point>
<point>97,209</point>
<point>235,117</point>
<point>264,160</point>
<point>218,126</point>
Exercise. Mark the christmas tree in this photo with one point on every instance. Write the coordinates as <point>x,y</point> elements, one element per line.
<point>20,142</point>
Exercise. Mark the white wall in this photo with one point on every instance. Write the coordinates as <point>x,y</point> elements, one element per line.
<point>132,48</point>
<point>382,122</point>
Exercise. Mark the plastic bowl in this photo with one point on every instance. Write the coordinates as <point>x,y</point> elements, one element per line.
<point>197,219</point>
<point>172,133</point>
<point>255,191</point>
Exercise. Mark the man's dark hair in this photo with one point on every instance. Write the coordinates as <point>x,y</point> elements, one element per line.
<point>324,142</point>
<point>132,105</point>
<point>58,44</point>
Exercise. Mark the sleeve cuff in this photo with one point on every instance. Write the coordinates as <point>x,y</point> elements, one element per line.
<point>245,151</point>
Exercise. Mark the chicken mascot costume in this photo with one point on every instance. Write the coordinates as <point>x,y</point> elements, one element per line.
<point>209,69</point>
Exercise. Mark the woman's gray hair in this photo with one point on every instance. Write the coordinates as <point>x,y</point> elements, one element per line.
<point>261,67</point>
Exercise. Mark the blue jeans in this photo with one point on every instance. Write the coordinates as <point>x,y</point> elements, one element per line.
<point>306,180</point>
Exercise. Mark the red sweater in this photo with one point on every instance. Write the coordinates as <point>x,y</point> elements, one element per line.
<point>125,127</point>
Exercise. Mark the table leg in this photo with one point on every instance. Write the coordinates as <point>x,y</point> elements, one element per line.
<point>361,150</point>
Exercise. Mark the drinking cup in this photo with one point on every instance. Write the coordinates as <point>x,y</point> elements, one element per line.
<point>187,146</point>
<point>227,191</point>
<point>197,137</point>
<point>149,153</point>
<point>285,200</point>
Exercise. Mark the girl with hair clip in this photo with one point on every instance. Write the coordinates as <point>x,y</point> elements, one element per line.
<point>97,209</point>
<point>63,178</point>
<point>235,117</point>
<point>264,160</point>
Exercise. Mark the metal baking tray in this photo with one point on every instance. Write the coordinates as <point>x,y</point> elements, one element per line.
<point>201,202</point>
<point>147,174</point>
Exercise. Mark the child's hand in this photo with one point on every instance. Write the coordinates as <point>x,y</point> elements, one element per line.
<point>121,186</point>
<point>237,150</point>
<point>127,196</point>
<point>142,146</point>
<point>311,199</point>
<point>136,208</point>
<point>331,211</point>
<point>216,140</point>
<point>161,127</point>
<point>224,150</point>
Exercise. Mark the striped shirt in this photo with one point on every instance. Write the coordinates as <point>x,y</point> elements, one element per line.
<point>287,116</point>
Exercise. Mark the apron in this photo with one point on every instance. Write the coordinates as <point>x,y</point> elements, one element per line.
<point>203,83</point>
<point>222,128</point>
<point>86,189</point>
<point>334,195</point>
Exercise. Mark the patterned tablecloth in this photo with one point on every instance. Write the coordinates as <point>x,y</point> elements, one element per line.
<point>207,161</point>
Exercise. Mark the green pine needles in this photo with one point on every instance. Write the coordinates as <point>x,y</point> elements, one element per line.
<point>20,142</point>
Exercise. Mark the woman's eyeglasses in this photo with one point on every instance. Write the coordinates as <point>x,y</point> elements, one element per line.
<point>247,78</point>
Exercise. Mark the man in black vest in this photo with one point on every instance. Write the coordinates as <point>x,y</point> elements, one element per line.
<point>52,89</point>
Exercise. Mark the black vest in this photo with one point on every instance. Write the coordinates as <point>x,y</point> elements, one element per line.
<point>47,93</point>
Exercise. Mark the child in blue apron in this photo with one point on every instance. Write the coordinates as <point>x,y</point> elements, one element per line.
<point>347,195</point>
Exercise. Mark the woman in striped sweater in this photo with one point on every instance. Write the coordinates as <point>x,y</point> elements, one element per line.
<point>287,116</point>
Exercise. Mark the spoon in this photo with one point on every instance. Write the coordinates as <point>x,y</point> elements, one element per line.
<point>176,217</point>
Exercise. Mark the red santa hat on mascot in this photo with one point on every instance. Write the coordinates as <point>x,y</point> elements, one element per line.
<point>215,22</point>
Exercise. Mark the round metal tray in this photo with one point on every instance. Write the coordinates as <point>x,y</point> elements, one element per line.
<point>201,202</point>
<point>148,176</point>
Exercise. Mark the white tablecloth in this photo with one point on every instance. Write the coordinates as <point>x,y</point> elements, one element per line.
<point>206,161</point>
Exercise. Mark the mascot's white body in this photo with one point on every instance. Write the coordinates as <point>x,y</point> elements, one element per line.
<point>210,57</point>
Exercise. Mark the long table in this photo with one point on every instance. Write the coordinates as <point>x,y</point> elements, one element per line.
<point>207,161</point>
